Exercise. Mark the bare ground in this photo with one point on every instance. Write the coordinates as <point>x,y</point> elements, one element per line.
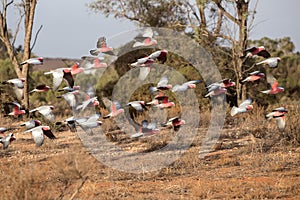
<point>237,168</point>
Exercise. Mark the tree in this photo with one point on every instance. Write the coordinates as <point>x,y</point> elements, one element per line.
<point>26,10</point>
<point>212,23</point>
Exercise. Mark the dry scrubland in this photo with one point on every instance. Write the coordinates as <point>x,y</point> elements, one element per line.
<point>251,160</point>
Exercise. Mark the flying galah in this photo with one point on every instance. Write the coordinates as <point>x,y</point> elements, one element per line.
<point>146,129</point>
<point>146,39</point>
<point>160,55</point>
<point>46,111</point>
<point>185,86</point>
<point>31,124</point>
<point>40,88</point>
<point>278,114</point>
<point>174,122</point>
<point>253,76</point>
<point>7,140</point>
<point>16,110</point>
<point>137,105</point>
<point>259,51</point>
<point>115,110</point>
<point>165,103</point>
<point>243,107</point>
<point>275,89</point>
<point>271,62</point>
<point>101,47</point>
<point>161,85</point>
<point>33,61</point>
<point>38,134</point>
<point>18,86</point>
<point>59,74</point>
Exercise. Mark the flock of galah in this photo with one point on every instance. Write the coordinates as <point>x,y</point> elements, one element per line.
<point>81,100</point>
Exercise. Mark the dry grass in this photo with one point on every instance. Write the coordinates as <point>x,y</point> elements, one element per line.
<point>252,160</point>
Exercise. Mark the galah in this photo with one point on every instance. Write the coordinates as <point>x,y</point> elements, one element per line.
<point>275,89</point>
<point>59,74</point>
<point>18,86</point>
<point>16,109</point>
<point>89,102</point>
<point>101,47</point>
<point>175,122</point>
<point>271,62</point>
<point>146,39</point>
<point>224,83</point>
<point>138,105</point>
<point>215,90</point>
<point>41,88</point>
<point>46,111</point>
<point>76,69</point>
<point>4,129</point>
<point>7,140</point>
<point>160,55</point>
<point>278,115</point>
<point>254,76</point>
<point>259,51</point>
<point>90,63</point>
<point>87,124</point>
<point>161,85</point>
<point>31,124</point>
<point>165,103</point>
<point>115,110</point>
<point>185,86</point>
<point>69,89</point>
<point>146,129</point>
<point>38,134</point>
<point>143,62</point>
<point>71,98</point>
<point>33,61</point>
<point>243,107</point>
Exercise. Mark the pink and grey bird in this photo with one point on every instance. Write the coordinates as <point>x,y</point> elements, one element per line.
<point>174,122</point>
<point>41,88</point>
<point>38,134</point>
<point>165,103</point>
<point>243,107</point>
<point>146,129</point>
<point>256,51</point>
<point>101,47</point>
<point>16,109</point>
<point>254,76</point>
<point>185,86</point>
<point>161,85</point>
<point>271,62</point>
<point>89,123</point>
<point>146,39</point>
<point>33,61</point>
<point>7,140</point>
<point>115,110</point>
<point>278,115</point>
<point>160,55</point>
<point>45,111</point>
<point>18,86</point>
<point>31,124</point>
<point>138,105</point>
<point>275,89</point>
<point>59,74</point>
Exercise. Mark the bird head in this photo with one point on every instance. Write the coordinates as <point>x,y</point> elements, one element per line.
<point>249,107</point>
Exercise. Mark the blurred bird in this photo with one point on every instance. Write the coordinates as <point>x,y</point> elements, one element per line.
<point>18,86</point>
<point>143,62</point>
<point>161,85</point>
<point>137,105</point>
<point>40,88</point>
<point>3,129</point>
<point>38,134</point>
<point>160,55</point>
<point>259,51</point>
<point>59,74</point>
<point>243,107</point>
<point>90,63</point>
<point>146,39</point>
<point>215,90</point>
<point>7,140</point>
<point>101,48</point>
<point>146,129</point>
<point>115,110</point>
<point>31,124</point>
<point>224,83</point>
<point>46,111</point>
<point>278,114</point>
<point>174,122</point>
<point>75,69</point>
<point>16,109</point>
<point>71,98</point>
<point>165,103</point>
<point>271,62</point>
<point>69,89</point>
<point>253,76</point>
<point>275,89</point>
<point>33,61</point>
<point>87,124</point>
<point>185,86</point>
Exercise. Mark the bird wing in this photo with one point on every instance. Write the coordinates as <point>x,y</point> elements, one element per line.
<point>38,136</point>
<point>264,53</point>
<point>254,73</point>
<point>58,76</point>
<point>136,105</point>
<point>69,78</point>
<point>163,81</point>
<point>280,121</point>
<point>49,134</point>
<point>19,93</point>
<point>245,103</point>
<point>47,113</point>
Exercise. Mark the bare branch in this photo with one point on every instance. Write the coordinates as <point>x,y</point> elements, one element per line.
<point>219,22</point>
<point>227,14</point>
<point>36,36</point>
<point>17,29</point>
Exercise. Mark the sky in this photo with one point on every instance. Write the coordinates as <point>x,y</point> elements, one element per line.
<point>70,29</point>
